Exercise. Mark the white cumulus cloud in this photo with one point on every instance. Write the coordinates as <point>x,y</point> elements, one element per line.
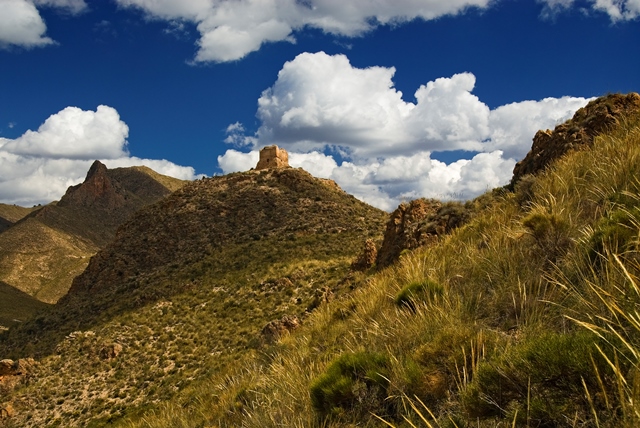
<point>21,23</point>
<point>321,105</point>
<point>39,166</point>
<point>231,29</point>
<point>618,10</point>
<point>75,134</point>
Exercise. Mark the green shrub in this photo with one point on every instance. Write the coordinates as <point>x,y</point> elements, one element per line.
<point>618,232</point>
<point>544,371</point>
<point>551,233</point>
<point>353,382</point>
<point>418,290</point>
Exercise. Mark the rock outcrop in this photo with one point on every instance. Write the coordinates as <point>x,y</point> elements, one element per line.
<point>595,118</point>
<point>416,224</point>
<point>43,251</point>
<point>367,258</point>
<point>277,328</point>
<point>273,157</point>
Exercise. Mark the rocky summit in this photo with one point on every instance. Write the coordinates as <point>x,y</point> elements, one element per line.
<point>43,251</point>
<point>192,284</point>
<point>578,133</point>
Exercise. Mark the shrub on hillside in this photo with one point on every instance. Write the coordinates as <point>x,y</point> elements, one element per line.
<point>551,233</point>
<point>618,232</point>
<point>417,291</point>
<point>356,382</point>
<point>545,373</point>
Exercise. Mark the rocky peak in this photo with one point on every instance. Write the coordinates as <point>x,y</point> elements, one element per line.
<point>98,190</point>
<point>596,117</point>
<point>273,157</point>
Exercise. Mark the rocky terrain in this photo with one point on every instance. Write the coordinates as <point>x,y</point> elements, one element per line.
<point>42,252</point>
<point>221,267</point>
<point>271,298</point>
<point>578,133</point>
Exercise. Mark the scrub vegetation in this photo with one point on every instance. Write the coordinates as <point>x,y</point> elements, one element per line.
<point>526,315</point>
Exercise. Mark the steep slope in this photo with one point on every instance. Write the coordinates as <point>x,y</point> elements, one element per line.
<point>190,286</point>
<point>46,249</point>
<point>10,214</point>
<point>16,306</point>
<point>525,316</point>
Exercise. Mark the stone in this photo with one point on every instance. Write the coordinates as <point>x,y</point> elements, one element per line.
<point>367,258</point>
<point>7,367</point>
<point>273,157</point>
<point>109,352</point>
<point>419,223</point>
<point>598,116</point>
<point>277,328</point>
<point>6,411</point>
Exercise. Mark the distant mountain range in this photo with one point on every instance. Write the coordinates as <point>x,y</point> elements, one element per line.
<point>43,248</point>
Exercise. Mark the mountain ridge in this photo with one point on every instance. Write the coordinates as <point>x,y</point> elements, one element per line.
<point>45,249</point>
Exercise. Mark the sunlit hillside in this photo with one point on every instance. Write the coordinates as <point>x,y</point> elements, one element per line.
<point>233,303</point>
<point>526,316</point>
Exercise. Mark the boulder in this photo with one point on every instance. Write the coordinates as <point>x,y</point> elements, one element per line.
<point>367,258</point>
<point>277,328</point>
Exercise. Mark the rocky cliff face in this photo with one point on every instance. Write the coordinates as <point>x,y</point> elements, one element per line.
<point>578,133</point>
<point>417,224</point>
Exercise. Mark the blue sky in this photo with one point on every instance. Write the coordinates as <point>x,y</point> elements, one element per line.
<point>393,99</point>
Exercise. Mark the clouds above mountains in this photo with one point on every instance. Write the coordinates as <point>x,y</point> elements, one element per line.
<point>320,105</point>
<point>231,29</point>
<point>38,166</point>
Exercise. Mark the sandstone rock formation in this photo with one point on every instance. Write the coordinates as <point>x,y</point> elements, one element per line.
<point>578,133</point>
<point>273,157</point>
<point>416,224</point>
<point>276,328</point>
<point>367,258</point>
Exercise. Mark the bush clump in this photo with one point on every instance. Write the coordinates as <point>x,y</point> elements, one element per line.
<point>551,233</point>
<point>617,232</point>
<point>416,291</point>
<point>356,382</point>
<point>546,371</point>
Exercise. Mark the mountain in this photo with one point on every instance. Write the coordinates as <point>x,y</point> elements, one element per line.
<point>43,251</point>
<point>190,286</point>
<point>9,214</point>
<point>232,302</point>
<point>526,315</point>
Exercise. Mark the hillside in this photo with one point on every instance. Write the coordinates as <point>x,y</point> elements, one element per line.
<point>42,252</point>
<point>15,304</point>
<point>525,316</point>
<point>204,278</point>
<point>232,303</point>
<point>10,214</point>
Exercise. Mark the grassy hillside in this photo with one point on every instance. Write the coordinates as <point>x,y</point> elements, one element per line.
<point>9,214</point>
<point>16,306</point>
<point>526,316</point>
<point>185,291</point>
